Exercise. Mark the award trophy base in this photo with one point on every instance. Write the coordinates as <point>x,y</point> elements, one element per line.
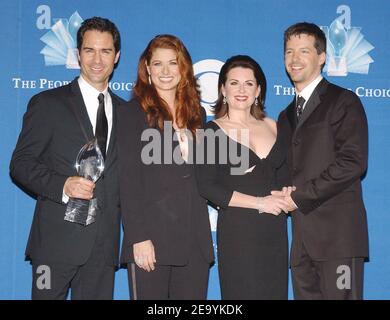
<point>81,211</point>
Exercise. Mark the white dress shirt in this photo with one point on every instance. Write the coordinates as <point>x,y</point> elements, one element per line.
<point>90,97</point>
<point>308,90</point>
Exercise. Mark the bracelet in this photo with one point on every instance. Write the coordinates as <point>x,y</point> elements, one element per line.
<point>259,204</point>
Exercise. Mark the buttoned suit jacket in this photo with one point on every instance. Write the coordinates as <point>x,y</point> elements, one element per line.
<point>44,158</point>
<point>327,157</point>
<point>159,202</point>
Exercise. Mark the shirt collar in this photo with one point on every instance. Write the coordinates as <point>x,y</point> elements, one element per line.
<point>308,90</point>
<point>89,90</point>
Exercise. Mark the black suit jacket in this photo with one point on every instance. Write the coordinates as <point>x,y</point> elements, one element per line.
<point>328,151</point>
<point>44,158</point>
<point>159,202</point>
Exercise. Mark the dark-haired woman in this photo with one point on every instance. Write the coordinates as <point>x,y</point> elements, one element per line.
<point>251,229</point>
<point>167,242</point>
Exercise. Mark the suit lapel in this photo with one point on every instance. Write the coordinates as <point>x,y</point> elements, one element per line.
<point>80,110</point>
<point>313,102</point>
<point>111,145</point>
<point>291,116</point>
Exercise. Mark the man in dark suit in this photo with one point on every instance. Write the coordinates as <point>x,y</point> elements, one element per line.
<point>56,125</point>
<point>325,130</point>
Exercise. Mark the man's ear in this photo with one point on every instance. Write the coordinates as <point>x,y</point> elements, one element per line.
<point>118,54</point>
<point>322,58</point>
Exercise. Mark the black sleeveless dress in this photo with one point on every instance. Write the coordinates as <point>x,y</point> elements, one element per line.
<point>252,248</point>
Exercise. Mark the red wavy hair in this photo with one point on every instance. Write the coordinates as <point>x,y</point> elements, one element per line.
<point>187,101</point>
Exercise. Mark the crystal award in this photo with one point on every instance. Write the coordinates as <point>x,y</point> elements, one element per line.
<point>89,165</point>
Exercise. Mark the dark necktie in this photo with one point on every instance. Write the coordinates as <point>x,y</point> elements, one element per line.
<point>101,131</point>
<point>299,107</point>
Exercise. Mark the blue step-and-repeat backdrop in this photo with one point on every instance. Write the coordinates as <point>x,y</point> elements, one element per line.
<point>38,41</point>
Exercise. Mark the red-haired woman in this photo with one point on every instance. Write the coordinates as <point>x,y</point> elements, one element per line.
<point>167,242</point>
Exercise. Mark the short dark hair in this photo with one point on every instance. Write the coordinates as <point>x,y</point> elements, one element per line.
<point>310,29</point>
<point>102,25</point>
<point>243,61</point>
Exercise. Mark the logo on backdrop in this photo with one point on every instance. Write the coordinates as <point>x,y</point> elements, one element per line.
<point>347,50</point>
<point>207,72</point>
<point>61,39</point>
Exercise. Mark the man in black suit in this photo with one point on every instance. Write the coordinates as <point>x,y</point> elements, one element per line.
<point>56,125</point>
<point>325,130</point>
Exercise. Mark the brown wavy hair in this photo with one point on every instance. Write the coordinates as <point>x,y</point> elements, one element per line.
<point>187,102</point>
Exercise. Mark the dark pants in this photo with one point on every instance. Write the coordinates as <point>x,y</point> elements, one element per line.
<point>187,282</point>
<point>339,279</point>
<point>93,280</point>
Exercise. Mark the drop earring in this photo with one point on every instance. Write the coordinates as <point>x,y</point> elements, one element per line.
<point>150,80</point>
<point>256,102</point>
<point>224,100</point>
